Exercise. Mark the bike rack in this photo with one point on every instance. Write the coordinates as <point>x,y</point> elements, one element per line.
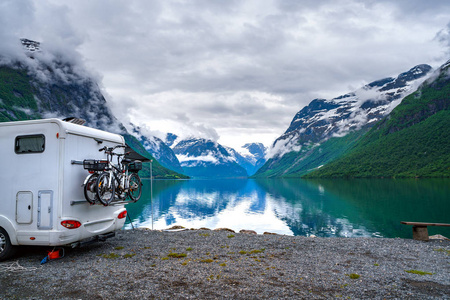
<point>77,202</point>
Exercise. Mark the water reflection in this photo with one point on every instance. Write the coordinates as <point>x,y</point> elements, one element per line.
<point>329,208</point>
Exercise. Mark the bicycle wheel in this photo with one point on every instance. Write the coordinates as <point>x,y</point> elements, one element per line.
<point>105,188</point>
<point>90,192</point>
<point>135,189</point>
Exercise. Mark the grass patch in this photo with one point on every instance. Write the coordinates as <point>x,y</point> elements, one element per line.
<point>111,255</point>
<point>176,255</point>
<point>230,236</point>
<point>188,249</point>
<point>204,234</point>
<point>257,251</point>
<point>442,250</point>
<point>208,260</point>
<point>128,255</point>
<point>252,251</point>
<point>418,272</point>
<point>353,275</point>
<point>118,248</point>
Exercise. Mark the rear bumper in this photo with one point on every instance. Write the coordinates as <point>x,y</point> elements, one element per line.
<point>96,230</point>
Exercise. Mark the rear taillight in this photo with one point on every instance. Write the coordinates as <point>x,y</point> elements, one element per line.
<point>122,215</point>
<point>71,224</point>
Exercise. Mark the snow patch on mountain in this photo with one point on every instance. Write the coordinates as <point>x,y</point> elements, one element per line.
<point>209,156</point>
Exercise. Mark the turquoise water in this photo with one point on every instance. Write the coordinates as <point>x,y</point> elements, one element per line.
<point>327,208</point>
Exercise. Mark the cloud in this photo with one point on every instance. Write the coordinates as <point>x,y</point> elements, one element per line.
<point>283,146</point>
<point>232,70</point>
<point>443,36</point>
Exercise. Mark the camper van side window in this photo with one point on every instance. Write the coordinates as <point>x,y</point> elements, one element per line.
<point>30,144</point>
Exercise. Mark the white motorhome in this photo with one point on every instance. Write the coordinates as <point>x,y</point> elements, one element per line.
<point>42,201</point>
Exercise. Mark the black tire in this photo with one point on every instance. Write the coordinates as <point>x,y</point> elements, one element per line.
<point>90,191</point>
<point>135,189</point>
<point>6,248</point>
<point>105,188</point>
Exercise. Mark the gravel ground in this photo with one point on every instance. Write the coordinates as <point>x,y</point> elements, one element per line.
<point>204,264</point>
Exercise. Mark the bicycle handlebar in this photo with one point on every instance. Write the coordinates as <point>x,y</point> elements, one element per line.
<point>109,151</point>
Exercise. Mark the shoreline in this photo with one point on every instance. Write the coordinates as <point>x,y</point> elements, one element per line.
<point>211,264</point>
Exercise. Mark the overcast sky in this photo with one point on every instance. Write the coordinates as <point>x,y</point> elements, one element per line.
<point>235,71</point>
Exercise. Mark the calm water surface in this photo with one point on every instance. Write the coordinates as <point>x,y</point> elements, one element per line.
<point>327,208</point>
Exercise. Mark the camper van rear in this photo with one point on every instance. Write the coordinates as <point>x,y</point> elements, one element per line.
<point>42,200</point>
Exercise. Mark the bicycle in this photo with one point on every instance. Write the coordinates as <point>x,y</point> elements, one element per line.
<point>94,168</point>
<point>119,180</point>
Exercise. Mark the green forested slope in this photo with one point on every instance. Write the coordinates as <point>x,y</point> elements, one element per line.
<point>17,100</point>
<point>413,141</point>
<point>296,164</point>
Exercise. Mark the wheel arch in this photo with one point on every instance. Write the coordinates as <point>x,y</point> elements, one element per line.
<point>8,226</point>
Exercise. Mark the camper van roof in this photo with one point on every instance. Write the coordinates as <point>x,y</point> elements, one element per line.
<point>71,128</point>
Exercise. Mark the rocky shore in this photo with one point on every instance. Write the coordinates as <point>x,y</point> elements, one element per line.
<point>206,264</point>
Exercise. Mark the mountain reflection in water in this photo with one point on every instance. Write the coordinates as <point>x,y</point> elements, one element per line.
<point>326,208</point>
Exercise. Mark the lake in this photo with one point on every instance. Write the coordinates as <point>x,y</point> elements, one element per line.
<point>325,208</point>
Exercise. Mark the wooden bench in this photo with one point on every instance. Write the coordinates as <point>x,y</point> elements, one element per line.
<point>420,230</point>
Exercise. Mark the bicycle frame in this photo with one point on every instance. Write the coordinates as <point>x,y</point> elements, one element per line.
<point>116,172</point>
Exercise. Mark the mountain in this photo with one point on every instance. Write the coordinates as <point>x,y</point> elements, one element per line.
<point>203,158</point>
<point>412,141</point>
<point>256,154</point>
<point>326,129</point>
<point>158,149</point>
<point>44,84</point>
<point>250,156</point>
<point>241,160</point>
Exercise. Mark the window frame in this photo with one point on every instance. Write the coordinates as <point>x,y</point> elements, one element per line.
<point>17,139</point>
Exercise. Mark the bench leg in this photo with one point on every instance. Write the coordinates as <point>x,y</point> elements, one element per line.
<point>420,233</point>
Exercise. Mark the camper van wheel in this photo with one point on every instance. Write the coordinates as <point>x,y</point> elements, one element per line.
<point>6,249</point>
